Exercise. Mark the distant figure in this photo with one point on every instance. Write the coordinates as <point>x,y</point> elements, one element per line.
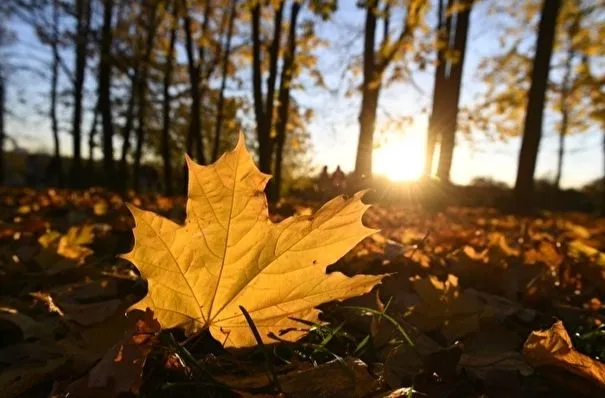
<point>324,183</point>
<point>339,180</point>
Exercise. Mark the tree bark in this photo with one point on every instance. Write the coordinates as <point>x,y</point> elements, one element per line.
<point>128,126</point>
<point>272,77</point>
<point>166,158</point>
<point>83,14</point>
<point>91,140</point>
<point>56,162</point>
<point>105,94</point>
<point>453,85</point>
<point>194,83</point>
<point>370,93</point>
<point>564,115</point>
<point>263,108</point>
<point>195,142</point>
<point>532,130</point>
<point>284,100</point>
<point>225,71</point>
<point>435,125</point>
<point>264,154</point>
<point>373,70</point>
<point>142,100</point>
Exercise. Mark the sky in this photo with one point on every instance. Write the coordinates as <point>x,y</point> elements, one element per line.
<point>334,130</point>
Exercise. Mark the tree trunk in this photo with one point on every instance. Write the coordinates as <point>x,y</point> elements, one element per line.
<point>225,71</point>
<point>194,83</point>
<point>91,141</point>
<point>564,115</point>
<point>263,108</point>
<point>142,100</point>
<point>453,85</point>
<point>128,126</point>
<point>284,100</point>
<point>264,153</point>
<point>105,94</point>
<point>434,127</point>
<point>166,158</point>
<point>272,77</point>
<point>83,13</point>
<point>56,162</point>
<point>532,130</point>
<point>195,142</point>
<point>369,100</point>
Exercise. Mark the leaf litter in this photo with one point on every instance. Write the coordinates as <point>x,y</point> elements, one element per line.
<point>474,302</point>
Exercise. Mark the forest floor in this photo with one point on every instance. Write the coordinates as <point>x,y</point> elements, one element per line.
<point>477,304</point>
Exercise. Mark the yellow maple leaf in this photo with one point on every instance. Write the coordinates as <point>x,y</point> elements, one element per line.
<point>229,253</point>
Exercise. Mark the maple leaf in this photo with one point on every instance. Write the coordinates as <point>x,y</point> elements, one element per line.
<point>229,253</point>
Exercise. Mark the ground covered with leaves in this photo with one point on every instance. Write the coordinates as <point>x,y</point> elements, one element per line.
<point>475,303</point>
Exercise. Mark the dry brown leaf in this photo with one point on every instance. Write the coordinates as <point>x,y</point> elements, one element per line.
<point>445,307</point>
<point>120,370</point>
<point>553,347</point>
<point>229,254</point>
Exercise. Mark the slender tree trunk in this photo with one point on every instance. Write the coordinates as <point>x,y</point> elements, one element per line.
<point>83,13</point>
<point>199,136</point>
<point>369,101</point>
<point>91,141</point>
<point>565,89</point>
<point>56,162</point>
<point>166,111</point>
<point>264,153</point>
<point>225,72</point>
<point>105,94</point>
<point>128,126</point>
<point>272,77</point>
<point>435,126</point>
<point>194,75</point>
<point>284,100</point>
<point>532,131</point>
<point>264,110</point>
<point>195,142</point>
<point>151,30</point>
<point>453,85</point>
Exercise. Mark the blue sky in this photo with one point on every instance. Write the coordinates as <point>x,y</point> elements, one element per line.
<point>334,130</point>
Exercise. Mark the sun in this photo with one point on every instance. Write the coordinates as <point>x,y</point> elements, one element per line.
<point>400,157</point>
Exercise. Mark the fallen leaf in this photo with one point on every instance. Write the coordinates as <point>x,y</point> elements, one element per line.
<point>553,347</point>
<point>443,306</point>
<point>229,254</point>
<point>348,377</point>
<point>121,369</point>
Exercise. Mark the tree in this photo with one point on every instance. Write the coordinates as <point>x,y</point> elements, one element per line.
<point>197,81</point>
<point>83,16</point>
<point>507,77</point>
<point>53,92</point>
<point>167,82</point>
<point>152,22</point>
<point>263,106</point>
<point>375,62</point>
<point>224,74</point>
<point>446,116</point>
<point>105,66</point>
<point>532,130</point>
<point>284,99</point>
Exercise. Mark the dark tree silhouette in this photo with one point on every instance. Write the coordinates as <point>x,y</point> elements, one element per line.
<point>532,129</point>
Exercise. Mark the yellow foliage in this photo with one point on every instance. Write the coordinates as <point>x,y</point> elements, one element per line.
<point>229,254</point>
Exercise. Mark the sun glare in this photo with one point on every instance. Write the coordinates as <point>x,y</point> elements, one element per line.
<point>400,156</point>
